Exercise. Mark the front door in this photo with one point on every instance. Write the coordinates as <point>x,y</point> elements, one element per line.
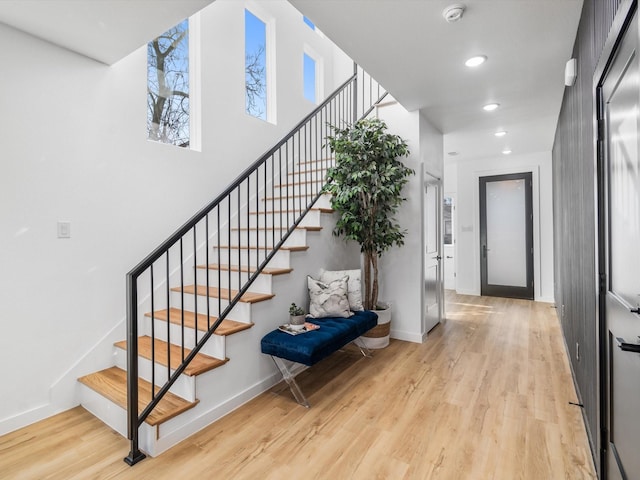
<point>433,284</point>
<point>506,236</point>
<point>619,222</point>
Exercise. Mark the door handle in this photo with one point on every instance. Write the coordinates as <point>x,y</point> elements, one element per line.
<point>449,256</point>
<point>438,257</point>
<point>635,310</point>
<point>627,347</point>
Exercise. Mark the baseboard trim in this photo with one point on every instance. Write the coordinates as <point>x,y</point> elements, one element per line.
<point>406,336</point>
<point>23,419</point>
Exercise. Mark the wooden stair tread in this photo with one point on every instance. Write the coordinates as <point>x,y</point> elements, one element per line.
<point>235,268</point>
<point>112,384</point>
<point>201,363</point>
<point>294,248</point>
<point>227,327</point>
<point>215,292</point>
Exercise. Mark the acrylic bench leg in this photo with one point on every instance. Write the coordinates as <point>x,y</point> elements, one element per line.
<point>291,381</point>
<point>365,351</point>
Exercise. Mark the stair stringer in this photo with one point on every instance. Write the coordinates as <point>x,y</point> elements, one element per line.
<point>248,372</point>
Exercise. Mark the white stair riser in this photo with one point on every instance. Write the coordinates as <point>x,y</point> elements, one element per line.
<point>241,312</point>
<point>266,237</point>
<point>310,189</point>
<point>245,257</point>
<point>317,167</point>
<point>300,203</point>
<point>262,284</point>
<point>312,219</point>
<point>304,176</point>
<point>184,386</point>
<point>215,346</point>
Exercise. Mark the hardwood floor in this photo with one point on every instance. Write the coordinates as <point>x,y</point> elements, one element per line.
<point>485,397</point>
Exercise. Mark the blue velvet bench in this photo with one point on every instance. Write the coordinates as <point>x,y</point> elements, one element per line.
<point>311,347</point>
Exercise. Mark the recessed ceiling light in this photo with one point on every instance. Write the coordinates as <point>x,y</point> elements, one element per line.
<point>490,107</point>
<point>501,133</point>
<point>476,61</point>
<point>506,151</point>
<point>453,154</point>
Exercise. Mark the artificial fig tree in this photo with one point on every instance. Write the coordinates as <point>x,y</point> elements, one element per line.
<point>366,188</point>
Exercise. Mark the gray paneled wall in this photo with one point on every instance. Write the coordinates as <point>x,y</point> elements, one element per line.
<point>574,209</point>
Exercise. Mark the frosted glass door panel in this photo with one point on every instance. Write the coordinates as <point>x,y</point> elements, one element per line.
<point>506,233</point>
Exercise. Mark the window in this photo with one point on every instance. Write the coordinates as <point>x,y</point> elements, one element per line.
<point>168,111</point>
<point>308,22</point>
<point>309,76</point>
<point>255,44</point>
<point>448,220</point>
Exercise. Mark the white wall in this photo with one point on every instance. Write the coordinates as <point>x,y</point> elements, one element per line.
<point>468,220</point>
<point>401,269</point>
<point>73,148</point>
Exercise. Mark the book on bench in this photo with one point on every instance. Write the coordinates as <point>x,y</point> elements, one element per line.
<point>308,327</point>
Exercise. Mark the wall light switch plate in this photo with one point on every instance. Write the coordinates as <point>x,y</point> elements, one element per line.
<point>64,229</point>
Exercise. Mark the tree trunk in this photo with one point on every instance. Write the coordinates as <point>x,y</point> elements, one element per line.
<point>374,289</point>
<point>367,281</point>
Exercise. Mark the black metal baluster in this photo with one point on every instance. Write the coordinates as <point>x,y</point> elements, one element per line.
<point>300,177</point>
<point>228,255</point>
<point>239,243</point>
<point>168,298</point>
<point>206,269</point>
<point>273,194</point>
<point>219,261</point>
<point>248,224</point>
<point>181,296</point>
<point>273,202</point>
<point>195,291</point>
<point>153,309</point>
<point>273,213</point>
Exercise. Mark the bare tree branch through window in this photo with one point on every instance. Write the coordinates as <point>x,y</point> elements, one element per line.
<point>168,86</point>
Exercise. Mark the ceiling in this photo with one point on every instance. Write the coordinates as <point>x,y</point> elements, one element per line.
<point>419,58</point>
<point>105,30</point>
<point>405,44</point>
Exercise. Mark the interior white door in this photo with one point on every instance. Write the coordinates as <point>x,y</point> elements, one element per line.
<point>433,284</point>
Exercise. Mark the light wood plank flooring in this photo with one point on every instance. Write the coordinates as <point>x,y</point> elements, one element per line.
<point>485,397</point>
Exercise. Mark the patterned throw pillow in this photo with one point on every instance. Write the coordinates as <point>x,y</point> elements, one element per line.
<point>354,285</point>
<point>328,299</point>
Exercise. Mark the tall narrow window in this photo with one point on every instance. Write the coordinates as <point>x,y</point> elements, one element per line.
<point>168,86</point>
<point>255,44</point>
<point>447,208</point>
<point>309,78</point>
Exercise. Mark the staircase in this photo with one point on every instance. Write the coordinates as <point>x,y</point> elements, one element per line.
<point>204,296</point>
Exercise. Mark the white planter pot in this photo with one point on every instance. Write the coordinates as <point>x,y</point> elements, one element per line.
<point>378,336</point>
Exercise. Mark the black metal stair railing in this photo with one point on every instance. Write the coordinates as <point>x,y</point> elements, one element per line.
<point>240,233</point>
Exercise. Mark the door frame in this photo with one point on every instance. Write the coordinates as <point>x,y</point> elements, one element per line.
<point>527,292</point>
<point>619,27</point>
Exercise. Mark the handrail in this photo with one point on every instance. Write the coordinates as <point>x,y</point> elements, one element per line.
<point>236,209</point>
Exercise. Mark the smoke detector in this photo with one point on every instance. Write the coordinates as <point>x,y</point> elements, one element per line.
<point>454,12</point>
